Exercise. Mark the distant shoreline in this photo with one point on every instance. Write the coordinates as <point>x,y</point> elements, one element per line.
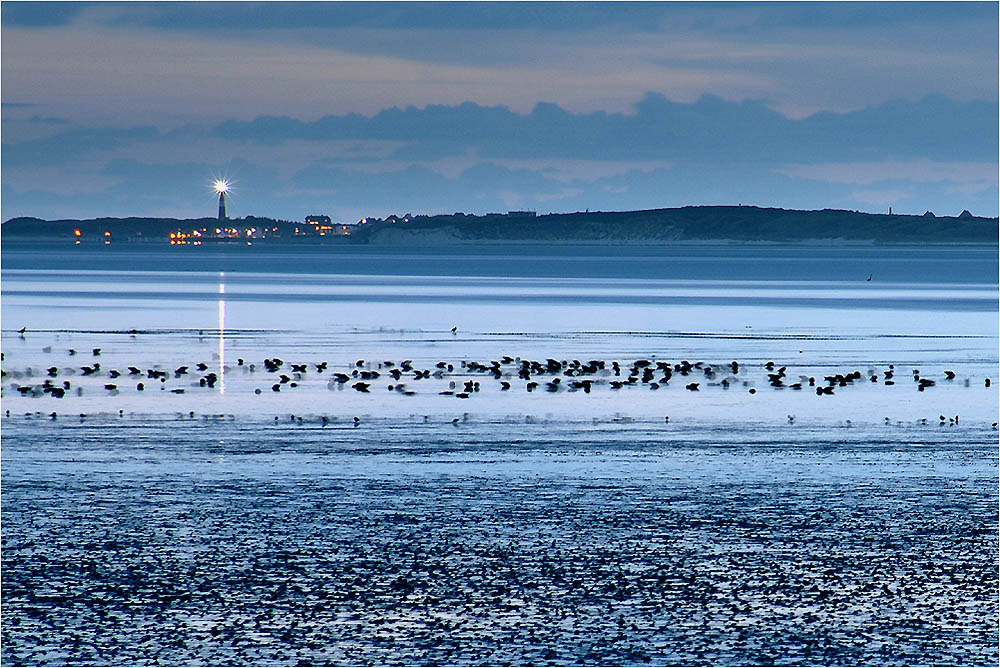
<point>727,225</point>
<point>47,242</point>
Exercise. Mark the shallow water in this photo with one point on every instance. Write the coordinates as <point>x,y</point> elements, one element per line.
<point>322,524</point>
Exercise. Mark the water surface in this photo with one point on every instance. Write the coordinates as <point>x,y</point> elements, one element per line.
<point>742,523</point>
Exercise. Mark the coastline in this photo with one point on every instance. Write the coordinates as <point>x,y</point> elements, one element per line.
<point>724,225</point>
<point>421,243</point>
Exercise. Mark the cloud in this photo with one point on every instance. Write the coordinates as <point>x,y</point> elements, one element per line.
<point>48,120</point>
<point>974,174</point>
<point>208,60</point>
<point>72,144</point>
<point>709,129</point>
<point>552,16</point>
<point>477,158</point>
<point>37,14</point>
<point>899,181</point>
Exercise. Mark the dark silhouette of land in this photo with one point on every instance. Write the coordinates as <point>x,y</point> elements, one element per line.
<point>692,223</point>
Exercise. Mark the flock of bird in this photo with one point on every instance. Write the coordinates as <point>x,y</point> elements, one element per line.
<point>465,378</point>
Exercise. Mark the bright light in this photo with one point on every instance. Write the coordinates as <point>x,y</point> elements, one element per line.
<point>221,186</point>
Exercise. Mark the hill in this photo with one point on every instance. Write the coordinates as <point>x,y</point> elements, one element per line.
<point>692,223</point>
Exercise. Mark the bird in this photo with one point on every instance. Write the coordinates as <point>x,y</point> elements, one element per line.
<point>869,278</point>
<point>454,329</point>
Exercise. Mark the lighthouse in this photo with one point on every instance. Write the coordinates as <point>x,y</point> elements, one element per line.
<point>222,187</point>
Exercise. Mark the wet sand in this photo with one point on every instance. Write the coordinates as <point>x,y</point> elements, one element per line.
<point>165,541</point>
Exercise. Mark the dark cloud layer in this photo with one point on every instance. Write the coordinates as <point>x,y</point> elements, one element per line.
<point>556,16</point>
<point>65,146</point>
<point>710,129</point>
<point>934,153</point>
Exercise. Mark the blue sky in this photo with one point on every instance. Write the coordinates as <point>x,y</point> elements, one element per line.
<point>355,109</point>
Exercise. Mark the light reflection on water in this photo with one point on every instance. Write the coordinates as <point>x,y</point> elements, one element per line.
<point>312,311</point>
<point>222,333</point>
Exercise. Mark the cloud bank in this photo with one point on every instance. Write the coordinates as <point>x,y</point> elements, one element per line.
<point>935,153</point>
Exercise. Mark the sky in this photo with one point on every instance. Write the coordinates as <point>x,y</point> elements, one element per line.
<point>368,109</point>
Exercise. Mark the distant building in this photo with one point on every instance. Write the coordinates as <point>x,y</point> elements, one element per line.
<point>319,224</point>
<point>521,214</point>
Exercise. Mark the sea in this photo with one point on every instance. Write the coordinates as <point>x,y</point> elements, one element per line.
<point>499,454</point>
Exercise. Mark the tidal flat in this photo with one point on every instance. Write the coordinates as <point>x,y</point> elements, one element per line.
<point>243,543</point>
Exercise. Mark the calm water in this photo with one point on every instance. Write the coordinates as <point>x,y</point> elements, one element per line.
<point>809,309</point>
<point>744,522</point>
